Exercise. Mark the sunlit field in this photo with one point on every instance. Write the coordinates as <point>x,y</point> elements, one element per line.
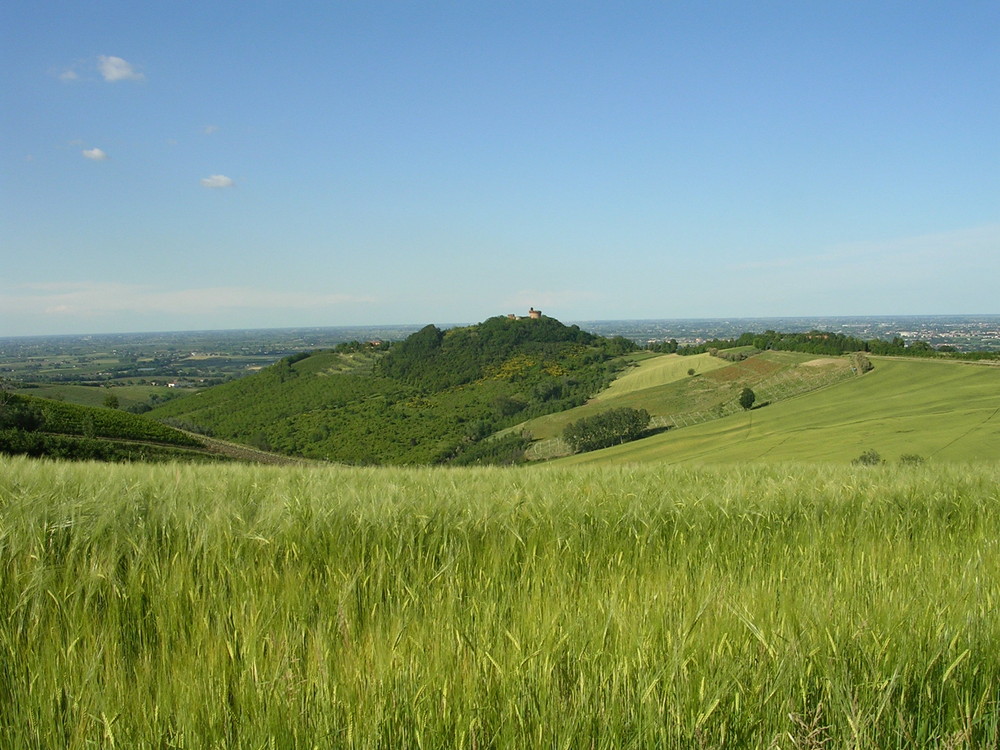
<point>786,606</point>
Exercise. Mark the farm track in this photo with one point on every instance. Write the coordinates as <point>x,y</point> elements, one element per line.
<point>246,453</point>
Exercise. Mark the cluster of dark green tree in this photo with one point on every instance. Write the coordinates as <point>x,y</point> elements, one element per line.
<point>436,359</point>
<point>822,342</point>
<point>436,397</point>
<point>611,427</point>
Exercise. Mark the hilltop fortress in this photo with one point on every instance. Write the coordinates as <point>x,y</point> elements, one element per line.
<point>533,314</point>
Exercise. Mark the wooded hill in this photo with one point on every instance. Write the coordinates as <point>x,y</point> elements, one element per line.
<point>433,398</point>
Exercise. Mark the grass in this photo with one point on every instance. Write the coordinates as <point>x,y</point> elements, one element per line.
<point>658,371</point>
<point>259,607</point>
<point>943,411</point>
<point>662,387</point>
<point>90,395</point>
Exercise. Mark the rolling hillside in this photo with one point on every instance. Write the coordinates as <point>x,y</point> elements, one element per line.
<point>432,398</point>
<point>940,411</point>
<point>662,386</point>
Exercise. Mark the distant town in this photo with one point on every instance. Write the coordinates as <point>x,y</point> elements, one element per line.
<point>964,332</point>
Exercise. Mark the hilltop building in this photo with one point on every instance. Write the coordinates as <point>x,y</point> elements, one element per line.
<point>533,314</point>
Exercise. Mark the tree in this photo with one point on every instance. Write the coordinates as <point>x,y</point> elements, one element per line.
<point>869,458</point>
<point>19,414</point>
<point>611,427</point>
<point>111,401</point>
<point>747,398</point>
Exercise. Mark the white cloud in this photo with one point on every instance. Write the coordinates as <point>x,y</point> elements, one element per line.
<point>68,75</point>
<point>117,69</point>
<point>95,299</point>
<point>95,154</point>
<point>217,181</point>
<point>209,129</point>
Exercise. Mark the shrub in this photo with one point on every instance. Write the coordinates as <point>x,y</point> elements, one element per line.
<point>869,458</point>
<point>612,427</point>
<point>20,415</point>
<point>861,363</point>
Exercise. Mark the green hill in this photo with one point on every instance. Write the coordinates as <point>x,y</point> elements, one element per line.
<point>435,397</point>
<point>938,410</point>
<point>55,429</point>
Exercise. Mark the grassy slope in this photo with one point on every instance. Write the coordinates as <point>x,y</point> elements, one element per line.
<point>945,411</point>
<point>90,395</point>
<point>658,371</point>
<point>74,431</point>
<point>663,387</point>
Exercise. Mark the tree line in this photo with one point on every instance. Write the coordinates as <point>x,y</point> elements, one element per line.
<point>822,342</point>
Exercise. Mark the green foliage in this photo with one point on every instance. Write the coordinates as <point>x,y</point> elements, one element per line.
<point>88,448</point>
<point>20,414</point>
<point>611,427</point>
<point>736,354</point>
<point>54,429</point>
<point>505,450</point>
<point>747,398</point>
<point>821,342</point>
<point>861,363</point>
<point>425,400</point>
<point>437,360</point>
<point>647,607</point>
<point>73,419</point>
<point>869,458</point>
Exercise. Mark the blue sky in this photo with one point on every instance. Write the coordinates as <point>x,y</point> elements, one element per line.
<point>170,166</point>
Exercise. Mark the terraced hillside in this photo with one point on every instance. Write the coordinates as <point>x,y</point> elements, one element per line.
<point>940,411</point>
<point>662,386</point>
<point>41,427</point>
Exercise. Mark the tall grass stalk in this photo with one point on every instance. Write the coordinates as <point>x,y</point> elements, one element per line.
<point>767,607</point>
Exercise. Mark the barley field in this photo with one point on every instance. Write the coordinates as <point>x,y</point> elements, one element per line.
<point>778,606</point>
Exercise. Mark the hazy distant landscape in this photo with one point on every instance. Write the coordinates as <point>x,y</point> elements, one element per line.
<point>193,356</point>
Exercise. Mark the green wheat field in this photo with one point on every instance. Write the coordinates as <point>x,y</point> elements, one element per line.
<point>762,606</point>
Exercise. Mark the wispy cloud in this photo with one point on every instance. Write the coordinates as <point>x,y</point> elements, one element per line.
<point>96,299</point>
<point>95,154</point>
<point>217,181</point>
<point>116,69</point>
<point>209,129</point>
<point>109,67</point>
<point>944,250</point>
